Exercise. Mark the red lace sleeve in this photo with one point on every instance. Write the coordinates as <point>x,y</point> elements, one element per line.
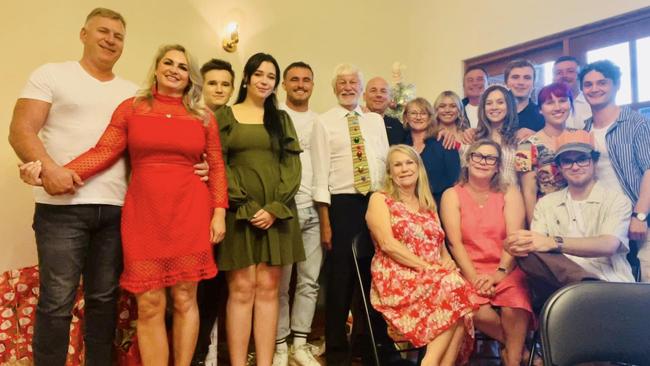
<point>217,175</point>
<point>109,148</point>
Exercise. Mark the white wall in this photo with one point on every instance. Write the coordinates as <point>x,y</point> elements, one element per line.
<point>430,37</point>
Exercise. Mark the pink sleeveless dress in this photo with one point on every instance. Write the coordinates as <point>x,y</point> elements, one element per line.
<point>483,229</point>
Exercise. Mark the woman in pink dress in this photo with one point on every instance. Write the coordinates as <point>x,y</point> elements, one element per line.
<point>478,213</point>
<point>415,283</point>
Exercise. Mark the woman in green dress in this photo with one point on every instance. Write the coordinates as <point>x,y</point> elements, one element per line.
<point>261,153</point>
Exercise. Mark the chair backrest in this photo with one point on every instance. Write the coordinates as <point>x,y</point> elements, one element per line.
<point>597,321</point>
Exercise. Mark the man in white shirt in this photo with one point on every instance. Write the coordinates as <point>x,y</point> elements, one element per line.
<point>344,218</point>
<point>621,136</point>
<point>298,82</point>
<point>61,112</point>
<point>566,70</point>
<point>579,232</point>
<point>475,81</point>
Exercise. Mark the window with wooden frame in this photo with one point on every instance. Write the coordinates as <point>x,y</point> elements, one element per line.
<point>623,39</point>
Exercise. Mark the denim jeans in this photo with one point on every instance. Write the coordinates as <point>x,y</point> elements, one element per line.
<point>307,271</point>
<point>74,241</point>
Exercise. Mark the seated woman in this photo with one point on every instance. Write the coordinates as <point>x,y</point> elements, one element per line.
<point>442,165</point>
<point>478,213</point>
<point>534,161</point>
<point>415,283</point>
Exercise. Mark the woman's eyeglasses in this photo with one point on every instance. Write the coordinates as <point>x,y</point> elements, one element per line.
<point>488,159</point>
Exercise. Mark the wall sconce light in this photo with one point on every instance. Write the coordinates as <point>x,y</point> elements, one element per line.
<point>232,37</point>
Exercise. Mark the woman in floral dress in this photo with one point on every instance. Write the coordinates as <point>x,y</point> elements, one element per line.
<point>415,283</point>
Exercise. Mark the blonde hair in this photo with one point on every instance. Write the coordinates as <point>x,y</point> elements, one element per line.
<point>424,104</point>
<point>461,121</point>
<point>106,13</point>
<point>496,183</point>
<point>422,190</point>
<point>192,95</point>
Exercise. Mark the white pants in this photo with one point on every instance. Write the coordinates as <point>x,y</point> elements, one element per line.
<point>304,302</point>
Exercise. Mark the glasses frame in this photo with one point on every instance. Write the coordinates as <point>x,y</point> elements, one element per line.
<point>480,158</point>
<point>582,162</point>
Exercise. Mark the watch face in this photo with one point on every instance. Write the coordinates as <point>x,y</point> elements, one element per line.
<point>641,216</point>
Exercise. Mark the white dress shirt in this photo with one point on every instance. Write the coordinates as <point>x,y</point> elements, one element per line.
<point>314,157</point>
<point>341,175</point>
<point>580,113</point>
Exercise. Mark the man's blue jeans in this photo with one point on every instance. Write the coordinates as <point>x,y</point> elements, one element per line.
<point>76,240</point>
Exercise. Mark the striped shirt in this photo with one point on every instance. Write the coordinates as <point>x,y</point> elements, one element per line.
<point>628,145</point>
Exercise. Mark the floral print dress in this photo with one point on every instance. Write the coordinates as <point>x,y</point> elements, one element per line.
<point>419,305</point>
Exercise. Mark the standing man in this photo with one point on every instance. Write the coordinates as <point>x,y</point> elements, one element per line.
<point>577,233</point>
<point>61,112</point>
<point>520,79</point>
<point>475,81</point>
<point>566,70</point>
<point>377,97</point>
<point>298,83</point>
<point>622,137</point>
<point>356,166</point>
<point>218,86</point>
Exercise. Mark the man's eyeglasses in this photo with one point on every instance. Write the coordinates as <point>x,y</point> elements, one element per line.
<point>488,159</point>
<point>582,162</point>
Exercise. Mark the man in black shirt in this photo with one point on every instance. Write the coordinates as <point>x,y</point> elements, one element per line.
<point>520,79</point>
<point>377,97</point>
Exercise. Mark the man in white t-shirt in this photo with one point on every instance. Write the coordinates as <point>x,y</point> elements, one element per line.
<point>579,232</point>
<point>566,70</point>
<point>61,112</point>
<point>475,81</point>
<point>622,137</point>
<point>298,83</point>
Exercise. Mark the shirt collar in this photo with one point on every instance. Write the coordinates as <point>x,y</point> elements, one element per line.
<point>595,196</point>
<point>342,112</point>
<point>623,116</point>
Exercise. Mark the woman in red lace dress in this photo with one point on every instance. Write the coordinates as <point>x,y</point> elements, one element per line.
<point>170,217</point>
<point>415,283</point>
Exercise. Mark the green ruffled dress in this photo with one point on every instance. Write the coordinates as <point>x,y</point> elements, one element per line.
<point>258,179</point>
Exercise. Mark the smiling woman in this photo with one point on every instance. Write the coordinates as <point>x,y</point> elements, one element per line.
<point>415,283</point>
<point>261,149</point>
<point>477,214</point>
<point>170,216</point>
<point>534,160</point>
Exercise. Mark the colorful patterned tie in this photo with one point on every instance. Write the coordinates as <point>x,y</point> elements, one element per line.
<point>359,158</point>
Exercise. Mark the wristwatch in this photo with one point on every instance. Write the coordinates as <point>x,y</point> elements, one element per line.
<point>642,216</point>
<point>559,241</point>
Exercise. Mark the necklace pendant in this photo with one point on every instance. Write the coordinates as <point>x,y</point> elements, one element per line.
<point>168,115</point>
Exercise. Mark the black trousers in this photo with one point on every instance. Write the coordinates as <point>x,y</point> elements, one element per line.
<point>347,216</point>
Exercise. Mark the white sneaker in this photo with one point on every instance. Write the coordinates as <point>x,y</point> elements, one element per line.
<point>281,358</point>
<point>302,356</point>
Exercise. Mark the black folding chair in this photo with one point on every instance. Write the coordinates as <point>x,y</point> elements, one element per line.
<point>597,322</point>
<point>366,309</point>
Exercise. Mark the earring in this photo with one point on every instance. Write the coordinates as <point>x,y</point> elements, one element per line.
<point>244,86</point>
